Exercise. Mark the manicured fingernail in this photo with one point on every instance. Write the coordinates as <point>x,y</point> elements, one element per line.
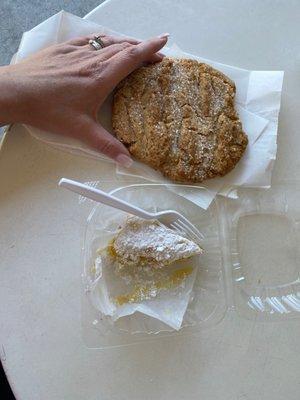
<point>124,160</point>
<point>164,35</point>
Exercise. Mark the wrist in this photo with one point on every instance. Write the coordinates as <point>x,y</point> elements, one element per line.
<point>8,96</point>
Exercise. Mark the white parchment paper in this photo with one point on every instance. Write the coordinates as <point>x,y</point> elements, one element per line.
<point>168,306</point>
<point>257,100</point>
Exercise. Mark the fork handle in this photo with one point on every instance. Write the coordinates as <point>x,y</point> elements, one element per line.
<point>103,197</point>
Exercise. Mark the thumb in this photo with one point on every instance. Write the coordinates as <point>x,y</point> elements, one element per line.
<point>98,138</point>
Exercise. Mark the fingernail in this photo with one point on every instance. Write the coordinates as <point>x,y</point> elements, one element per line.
<point>164,35</point>
<point>124,160</point>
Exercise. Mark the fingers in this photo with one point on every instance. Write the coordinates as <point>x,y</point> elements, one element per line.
<point>127,60</point>
<point>110,40</point>
<point>98,138</point>
<point>106,40</point>
<point>113,45</point>
<point>110,51</point>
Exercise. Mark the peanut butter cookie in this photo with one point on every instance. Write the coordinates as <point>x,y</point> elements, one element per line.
<point>178,116</point>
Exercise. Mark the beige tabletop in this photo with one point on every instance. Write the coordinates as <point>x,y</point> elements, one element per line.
<point>41,234</point>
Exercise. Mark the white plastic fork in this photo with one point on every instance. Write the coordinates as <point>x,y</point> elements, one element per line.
<point>170,218</point>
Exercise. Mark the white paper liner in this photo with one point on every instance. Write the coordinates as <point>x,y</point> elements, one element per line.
<point>257,100</point>
<point>169,306</point>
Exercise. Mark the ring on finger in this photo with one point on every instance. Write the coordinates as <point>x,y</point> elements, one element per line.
<point>99,40</point>
<point>95,44</point>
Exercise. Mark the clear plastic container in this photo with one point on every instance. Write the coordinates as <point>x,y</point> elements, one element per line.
<point>208,304</point>
<point>250,264</point>
<point>263,239</point>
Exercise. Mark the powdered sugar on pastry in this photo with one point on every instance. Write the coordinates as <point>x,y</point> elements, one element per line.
<point>147,242</point>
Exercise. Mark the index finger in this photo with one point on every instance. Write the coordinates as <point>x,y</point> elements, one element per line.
<point>107,40</point>
<point>127,60</point>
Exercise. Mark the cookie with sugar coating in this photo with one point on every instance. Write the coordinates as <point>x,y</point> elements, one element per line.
<point>178,116</point>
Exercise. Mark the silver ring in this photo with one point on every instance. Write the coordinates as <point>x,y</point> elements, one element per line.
<point>95,44</point>
<point>99,40</point>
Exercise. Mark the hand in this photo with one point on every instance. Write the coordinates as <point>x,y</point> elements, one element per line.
<point>60,89</point>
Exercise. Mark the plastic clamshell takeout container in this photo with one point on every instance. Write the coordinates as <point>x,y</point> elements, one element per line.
<point>263,257</point>
<point>250,264</point>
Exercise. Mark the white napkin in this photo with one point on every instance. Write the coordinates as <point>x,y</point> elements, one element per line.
<point>257,100</point>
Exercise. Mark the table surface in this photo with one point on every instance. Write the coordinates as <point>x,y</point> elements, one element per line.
<point>41,227</point>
